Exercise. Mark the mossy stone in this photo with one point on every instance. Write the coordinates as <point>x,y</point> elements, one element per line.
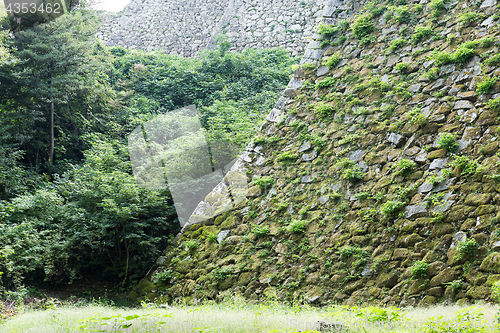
<point>478,292</point>
<point>491,263</point>
<point>477,199</point>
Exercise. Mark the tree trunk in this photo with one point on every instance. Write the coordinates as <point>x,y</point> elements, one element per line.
<point>51,144</point>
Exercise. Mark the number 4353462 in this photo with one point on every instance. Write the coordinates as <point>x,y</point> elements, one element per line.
<point>32,8</point>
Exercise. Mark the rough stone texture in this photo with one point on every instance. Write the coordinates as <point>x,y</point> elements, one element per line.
<point>357,198</point>
<point>188,27</point>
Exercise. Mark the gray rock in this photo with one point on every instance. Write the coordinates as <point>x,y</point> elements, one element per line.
<point>438,163</point>
<point>306,179</point>
<point>355,155</point>
<point>495,246</point>
<point>415,88</point>
<point>488,3</point>
<point>415,211</point>
<point>323,70</point>
<point>274,116</point>
<point>305,146</point>
<point>462,144</point>
<point>444,185</point>
<point>458,238</point>
<point>309,157</point>
<point>425,188</point>
<point>421,158</point>
<point>363,166</point>
<point>395,139</point>
<point>222,235</point>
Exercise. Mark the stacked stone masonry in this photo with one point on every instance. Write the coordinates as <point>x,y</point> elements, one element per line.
<point>383,160</point>
<point>188,27</point>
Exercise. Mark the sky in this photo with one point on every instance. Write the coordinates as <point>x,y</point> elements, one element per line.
<point>111,5</point>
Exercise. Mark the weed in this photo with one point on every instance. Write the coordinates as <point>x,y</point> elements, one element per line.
<point>467,18</point>
<point>486,86</point>
<point>264,182</point>
<point>212,237</point>
<point>191,245</point>
<point>404,167</point>
<point>162,277</point>
<point>455,285</point>
<point>447,141</point>
<point>362,26</point>
<point>467,247</point>
<point>333,60</point>
<point>493,60</point>
<point>402,67</point>
<point>260,231</point>
<point>390,208</point>
<point>419,269</point>
<point>324,110</point>
<point>396,44</point>
<point>297,226</point>
<point>287,156</point>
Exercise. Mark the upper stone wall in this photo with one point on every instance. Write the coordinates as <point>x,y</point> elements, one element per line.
<point>187,27</point>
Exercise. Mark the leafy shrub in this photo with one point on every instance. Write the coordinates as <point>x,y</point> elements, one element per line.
<point>162,277</point>
<point>260,231</point>
<point>437,6</point>
<point>447,141</point>
<point>467,166</point>
<point>191,245</point>
<point>333,60</point>
<point>375,9</point>
<point>493,60</point>
<point>212,237</point>
<point>327,30</point>
<point>264,182</point>
<point>349,251</point>
<point>402,14</point>
<point>287,156</point>
<point>421,32</point>
<point>443,58</point>
<point>390,208</point>
<point>467,247</point>
<point>297,226</point>
<point>494,104</point>
<point>362,26</point>
<point>463,54</point>
<point>327,83</point>
<point>353,174</point>
<point>468,18</point>
<point>419,269</point>
<point>324,110</point>
<point>455,285</point>
<point>404,167</point>
<point>220,274</point>
<point>402,67</point>
<point>396,44</point>
<point>486,86</point>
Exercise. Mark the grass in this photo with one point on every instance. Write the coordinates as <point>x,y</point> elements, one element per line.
<point>237,315</point>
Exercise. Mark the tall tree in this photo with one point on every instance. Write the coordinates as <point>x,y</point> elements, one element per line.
<point>63,62</point>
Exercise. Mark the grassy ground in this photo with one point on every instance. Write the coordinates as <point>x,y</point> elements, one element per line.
<point>236,315</point>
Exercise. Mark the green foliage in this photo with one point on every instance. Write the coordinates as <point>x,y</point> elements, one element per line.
<point>404,167</point>
<point>349,251</point>
<point>191,245</point>
<point>220,274</point>
<point>494,104</point>
<point>486,85</point>
<point>493,60</point>
<point>438,7</point>
<point>467,247</point>
<point>327,83</point>
<point>212,237</point>
<point>455,285</point>
<point>419,269</point>
<point>163,277</point>
<point>402,14</point>
<point>420,33</point>
<point>375,8</point>
<point>467,18</point>
<point>447,141</point>
<point>324,110</point>
<point>297,226</point>
<point>260,231</point>
<point>402,67</point>
<point>287,156</point>
<point>467,166</point>
<point>264,182</point>
<point>396,44</point>
<point>391,207</point>
<point>362,26</point>
<point>333,60</point>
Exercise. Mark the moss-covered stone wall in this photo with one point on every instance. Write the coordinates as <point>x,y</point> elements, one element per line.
<point>375,180</point>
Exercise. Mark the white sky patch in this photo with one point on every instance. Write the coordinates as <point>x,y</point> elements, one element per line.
<point>111,5</point>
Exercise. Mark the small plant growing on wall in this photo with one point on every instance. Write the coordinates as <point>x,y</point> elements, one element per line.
<point>447,141</point>
<point>419,269</point>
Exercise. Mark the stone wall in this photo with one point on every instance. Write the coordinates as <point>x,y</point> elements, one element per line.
<point>382,166</point>
<point>187,27</point>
